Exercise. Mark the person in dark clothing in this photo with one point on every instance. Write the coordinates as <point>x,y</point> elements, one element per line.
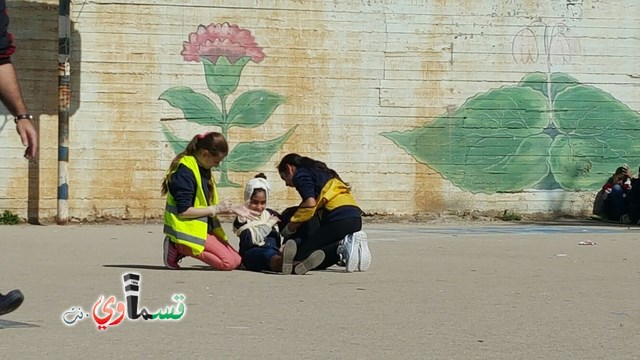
<point>11,97</point>
<point>260,245</point>
<point>634,200</point>
<point>616,194</point>
<point>327,219</point>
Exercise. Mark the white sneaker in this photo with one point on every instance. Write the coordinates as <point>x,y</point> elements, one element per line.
<point>351,244</point>
<point>314,260</point>
<point>364,254</point>
<point>288,253</point>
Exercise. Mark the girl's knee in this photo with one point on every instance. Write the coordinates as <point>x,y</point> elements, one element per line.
<point>231,263</point>
<point>237,261</point>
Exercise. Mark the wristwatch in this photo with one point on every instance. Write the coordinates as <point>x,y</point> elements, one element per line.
<point>23,116</point>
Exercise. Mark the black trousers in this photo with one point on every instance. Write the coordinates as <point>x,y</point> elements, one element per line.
<point>317,235</point>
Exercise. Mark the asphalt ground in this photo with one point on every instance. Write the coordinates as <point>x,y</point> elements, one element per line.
<point>461,291</point>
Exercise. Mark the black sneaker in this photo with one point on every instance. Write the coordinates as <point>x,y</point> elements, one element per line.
<point>10,302</point>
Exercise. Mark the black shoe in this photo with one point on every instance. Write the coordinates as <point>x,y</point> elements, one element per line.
<point>10,302</point>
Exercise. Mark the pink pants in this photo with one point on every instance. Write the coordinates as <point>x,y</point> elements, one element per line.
<point>217,254</point>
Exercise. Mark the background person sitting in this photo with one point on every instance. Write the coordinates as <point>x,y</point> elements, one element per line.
<point>615,192</point>
<point>634,200</point>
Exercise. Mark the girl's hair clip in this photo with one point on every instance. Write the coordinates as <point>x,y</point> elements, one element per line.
<point>201,136</point>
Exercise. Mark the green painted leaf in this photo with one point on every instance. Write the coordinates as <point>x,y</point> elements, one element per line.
<point>538,81</point>
<point>223,77</point>
<point>195,106</point>
<point>494,142</point>
<point>177,144</point>
<point>249,156</point>
<point>598,134</point>
<point>224,181</point>
<point>482,148</point>
<point>253,108</point>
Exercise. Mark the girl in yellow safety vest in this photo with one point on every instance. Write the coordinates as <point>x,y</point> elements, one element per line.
<point>327,219</point>
<point>191,225</point>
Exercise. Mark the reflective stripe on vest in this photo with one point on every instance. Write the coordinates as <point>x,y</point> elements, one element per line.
<point>180,235</point>
<point>191,232</point>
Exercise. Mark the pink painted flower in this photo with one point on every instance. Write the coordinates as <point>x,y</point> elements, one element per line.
<point>217,40</point>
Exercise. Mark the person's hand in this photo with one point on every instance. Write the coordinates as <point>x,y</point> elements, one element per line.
<point>273,220</point>
<point>213,210</point>
<point>29,137</point>
<point>242,210</point>
<point>223,207</point>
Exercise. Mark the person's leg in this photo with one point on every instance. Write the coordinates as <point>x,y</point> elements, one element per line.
<point>217,254</point>
<point>330,259</point>
<point>260,259</point>
<point>11,301</point>
<point>309,228</point>
<point>615,203</point>
<point>327,238</point>
<point>171,254</point>
<point>286,215</point>
<point>215,249</point>
<point>634,210</point>
<point>305,230</point>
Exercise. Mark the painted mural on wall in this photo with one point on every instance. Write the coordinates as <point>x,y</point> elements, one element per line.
<point>224,50</point>
<point>549,131</point>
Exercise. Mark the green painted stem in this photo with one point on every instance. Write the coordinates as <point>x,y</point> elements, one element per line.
<point>225,182</point>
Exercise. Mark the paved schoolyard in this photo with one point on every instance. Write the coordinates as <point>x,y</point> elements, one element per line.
<point>479,291</point>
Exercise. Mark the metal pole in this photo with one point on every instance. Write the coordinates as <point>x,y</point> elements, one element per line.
<point>64,101</point>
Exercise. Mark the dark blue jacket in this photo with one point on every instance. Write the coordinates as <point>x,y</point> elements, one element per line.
<point>309,183</point>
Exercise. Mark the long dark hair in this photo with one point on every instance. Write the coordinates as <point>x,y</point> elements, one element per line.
<point>305,162</point>
<point>213,142</point>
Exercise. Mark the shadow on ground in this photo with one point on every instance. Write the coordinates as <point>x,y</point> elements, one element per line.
<point>8,324</point>
<point>156,267</point>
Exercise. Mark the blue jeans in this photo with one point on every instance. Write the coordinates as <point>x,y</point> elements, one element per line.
<point>257,258</point>
<point>616,203</point>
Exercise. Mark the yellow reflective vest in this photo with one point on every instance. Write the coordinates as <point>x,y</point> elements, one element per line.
<point>191,232</point>
<point>334,194</point>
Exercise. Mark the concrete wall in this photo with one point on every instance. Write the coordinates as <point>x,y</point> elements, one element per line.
<point>423,106</point>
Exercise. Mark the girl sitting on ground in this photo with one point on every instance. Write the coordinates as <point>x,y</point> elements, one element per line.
<point>260,239</point>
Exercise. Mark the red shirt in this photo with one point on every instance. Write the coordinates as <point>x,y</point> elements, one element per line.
<point>6,39</point>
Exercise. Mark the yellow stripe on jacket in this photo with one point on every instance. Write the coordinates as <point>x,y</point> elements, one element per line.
<point>333,195</point>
